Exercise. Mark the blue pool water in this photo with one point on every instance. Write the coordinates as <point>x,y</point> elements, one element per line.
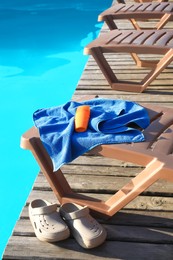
<point>41,61</point>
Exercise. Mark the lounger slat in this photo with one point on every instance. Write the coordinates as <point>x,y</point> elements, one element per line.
<point>112,37</point>
<point>158,128</point>
<point>132,37</point>
<point>123,37</point>
<point>152,132</point>
<point>161,7</point>
<point>159,135</point>
<point>139,8</point>
<point>127,7</point>
<point>118,8</point>
<point>116,37</point>
<point>144,35</point>
<point>167,7</point>
<point>154,38</point>
<point>107,38</point>
<point>163,142</point>
<point>165,39</point>
<point>146,7</point>
<point>112,10</point>
<point>144,1</point>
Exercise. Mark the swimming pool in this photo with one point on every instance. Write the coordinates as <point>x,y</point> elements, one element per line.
<point>41,60</point>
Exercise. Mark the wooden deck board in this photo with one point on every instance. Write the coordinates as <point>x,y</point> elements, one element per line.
<point>144,228</point>
<point>31,248</point>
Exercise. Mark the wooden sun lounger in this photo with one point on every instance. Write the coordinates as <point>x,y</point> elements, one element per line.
<point>134,42</point>
<point>155,155</point>
<point>134,12</point>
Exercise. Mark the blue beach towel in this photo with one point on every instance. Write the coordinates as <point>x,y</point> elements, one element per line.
<point>110,122</point>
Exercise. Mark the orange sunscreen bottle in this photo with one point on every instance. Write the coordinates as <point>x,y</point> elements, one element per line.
<point>82,118</point>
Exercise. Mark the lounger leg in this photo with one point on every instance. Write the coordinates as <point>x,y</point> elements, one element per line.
<point>56,180</point>
<point>162,64</point>
<point>136,186</point>
<point>104,66</point>
<point>58,183</point>
<point>163,21</point>
<point>135,24</point>
<point>143,63</point>
<point>110,23</point>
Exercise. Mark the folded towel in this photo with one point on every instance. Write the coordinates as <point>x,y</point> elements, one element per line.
<point>111,121</point>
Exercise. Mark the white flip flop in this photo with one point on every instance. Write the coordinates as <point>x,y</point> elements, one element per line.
<point>85,229</point>
<point>47,222</point>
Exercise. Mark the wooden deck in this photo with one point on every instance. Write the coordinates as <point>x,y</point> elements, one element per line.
<point>144,228</point>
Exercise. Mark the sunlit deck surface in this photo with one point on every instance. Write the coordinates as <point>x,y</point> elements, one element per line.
<point>144,228</point>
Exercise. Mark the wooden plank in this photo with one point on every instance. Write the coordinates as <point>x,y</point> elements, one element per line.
<point>153,96</point>
<point>105,184</point>
<point>30,247</point>
<point>147,234</point>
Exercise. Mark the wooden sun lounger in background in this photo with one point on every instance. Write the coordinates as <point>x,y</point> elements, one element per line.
<point>155,155</point>
<point>134,42</point>
<point>134,12</point>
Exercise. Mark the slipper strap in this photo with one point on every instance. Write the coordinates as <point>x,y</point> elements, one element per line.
<point>77,214</point>
<point>44,210</point>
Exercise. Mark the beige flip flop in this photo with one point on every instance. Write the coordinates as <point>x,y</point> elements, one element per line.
<point>46,221</point>
<point>85,229</point>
